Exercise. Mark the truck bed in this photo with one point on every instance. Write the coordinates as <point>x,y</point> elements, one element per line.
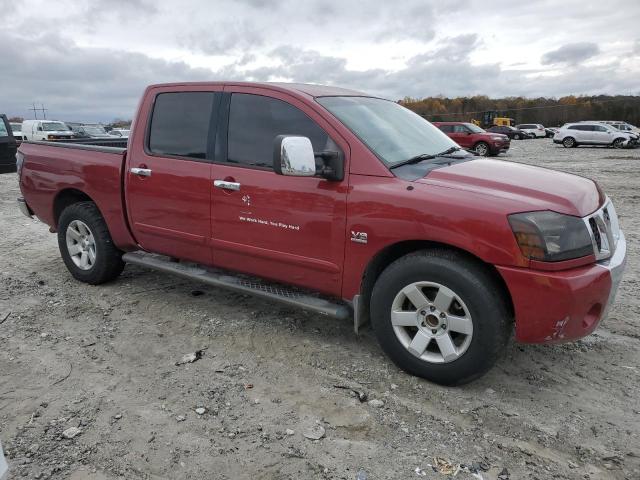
<point>54,173</point>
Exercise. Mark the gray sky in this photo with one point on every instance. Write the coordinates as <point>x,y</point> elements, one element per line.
<point>90,60</point>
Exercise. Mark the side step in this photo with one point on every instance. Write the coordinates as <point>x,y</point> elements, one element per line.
<point>240,283</point>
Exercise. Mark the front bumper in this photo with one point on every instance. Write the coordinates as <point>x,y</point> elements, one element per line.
<point>553,307</point>
<point>24,208</point>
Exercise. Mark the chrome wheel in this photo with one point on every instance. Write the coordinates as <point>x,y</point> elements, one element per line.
<point>568,142</point>
<point>81,245</point>
<point>432,322</point>
<point>482,149</point>
<point>618,143</point>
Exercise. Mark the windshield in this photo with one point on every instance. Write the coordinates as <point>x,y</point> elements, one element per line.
<point>391,131</point>
<point>53,126</point>
<point>16,127</point>
<point>94,130</point>
<point>474,128</point>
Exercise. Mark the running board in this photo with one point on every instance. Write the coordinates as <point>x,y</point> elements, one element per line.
<point>240,283</point>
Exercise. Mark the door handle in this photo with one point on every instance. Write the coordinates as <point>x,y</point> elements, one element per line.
<point>141,172</point>
<point>226,185</point>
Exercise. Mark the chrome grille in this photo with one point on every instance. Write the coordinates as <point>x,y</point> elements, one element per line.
<point>604,230</point>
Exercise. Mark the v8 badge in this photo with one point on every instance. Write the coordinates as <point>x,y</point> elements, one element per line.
<point>358,237</point>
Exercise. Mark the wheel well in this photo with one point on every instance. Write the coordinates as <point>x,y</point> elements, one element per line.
<point>390,254</point>
<point>65,198</point>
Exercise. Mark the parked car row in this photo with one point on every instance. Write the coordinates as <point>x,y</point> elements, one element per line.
<point>496,139</point>
<point>41,130</point>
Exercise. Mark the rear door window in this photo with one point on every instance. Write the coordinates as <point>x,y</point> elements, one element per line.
<point>254,123</point>
<point>180,124</point>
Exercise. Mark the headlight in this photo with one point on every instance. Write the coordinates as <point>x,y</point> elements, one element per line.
<point>551,236</point>
<point>497,139</point>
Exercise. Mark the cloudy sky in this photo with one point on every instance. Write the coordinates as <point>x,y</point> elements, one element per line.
<point>90,60</point>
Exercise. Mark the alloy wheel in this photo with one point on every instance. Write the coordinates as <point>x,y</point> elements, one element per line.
<point>81,245</point>
<point>432,322</point>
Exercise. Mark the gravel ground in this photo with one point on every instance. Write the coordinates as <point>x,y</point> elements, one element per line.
<point>102,359</point>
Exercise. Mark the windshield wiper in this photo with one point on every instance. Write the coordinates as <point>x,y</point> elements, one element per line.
<point>424,156</point>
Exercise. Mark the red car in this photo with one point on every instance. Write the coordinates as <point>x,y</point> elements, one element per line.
<point>472,137</point>
<point>343,204</point>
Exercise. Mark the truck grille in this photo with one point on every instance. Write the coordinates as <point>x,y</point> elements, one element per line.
<point>604,230</point>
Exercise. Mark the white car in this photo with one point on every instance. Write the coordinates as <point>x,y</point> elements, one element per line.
<point>593,133</point>
<point>534,129</point>
<point>120,132</point>
<point>624,126</point>
<point>37,130</point>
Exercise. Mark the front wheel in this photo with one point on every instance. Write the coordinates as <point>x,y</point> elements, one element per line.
<point>618,143</point>
<point>482,149</point>
<point>86,245</point>
<point>516,136</point>
<point>440,316</point>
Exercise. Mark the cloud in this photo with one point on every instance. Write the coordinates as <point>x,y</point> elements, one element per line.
<point>571,53</point>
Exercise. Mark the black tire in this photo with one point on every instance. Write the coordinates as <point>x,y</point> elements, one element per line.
<point>482,148</point>
<point>475,286</point>
<point>569,142</point>
<point>618,143</point>
<point>108,262</point>
<point>517,136</point>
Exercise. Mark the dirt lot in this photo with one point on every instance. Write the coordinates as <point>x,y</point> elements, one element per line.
<point>103,359</point>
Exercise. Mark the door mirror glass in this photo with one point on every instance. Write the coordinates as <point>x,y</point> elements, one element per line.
<point>293,156</point>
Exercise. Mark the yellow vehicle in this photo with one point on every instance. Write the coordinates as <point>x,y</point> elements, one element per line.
<point>491,118</point>
<point>504,121</point>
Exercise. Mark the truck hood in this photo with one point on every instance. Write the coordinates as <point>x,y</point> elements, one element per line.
<point>530,188</point>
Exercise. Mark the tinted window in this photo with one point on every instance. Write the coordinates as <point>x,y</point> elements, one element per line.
<point>180,124</point>
<point>527,127</point>
<point>460,129</point>
<point>599,128</point>
<point>446,128</point>
<point>255,122</point>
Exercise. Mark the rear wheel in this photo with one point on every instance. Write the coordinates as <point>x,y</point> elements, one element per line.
<point>482,149</point>
<point>569,142</point>
<point>86,245</point>
<point>440,316</point>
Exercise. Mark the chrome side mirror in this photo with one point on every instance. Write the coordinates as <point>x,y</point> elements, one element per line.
<point>293,156</point>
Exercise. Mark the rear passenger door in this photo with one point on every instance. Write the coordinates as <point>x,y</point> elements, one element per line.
<point>168,179</point>
<point>462,136</point>
<point>289,229</point>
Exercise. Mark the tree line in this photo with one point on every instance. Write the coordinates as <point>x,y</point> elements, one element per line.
<point>547,111</point>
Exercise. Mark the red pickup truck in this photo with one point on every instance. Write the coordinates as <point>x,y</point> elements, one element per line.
<point>341,203</point>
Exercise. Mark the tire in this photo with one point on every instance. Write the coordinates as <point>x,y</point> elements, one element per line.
<point>618,143</point>
<point>517,136</point>
<point>478,300</point>
<point>569,142</point>
<point>482,149</point>
<point>86,245</point>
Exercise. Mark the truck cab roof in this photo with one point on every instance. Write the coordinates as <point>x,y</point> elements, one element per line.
<point>306,89</point>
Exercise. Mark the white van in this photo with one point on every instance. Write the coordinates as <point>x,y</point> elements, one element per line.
<point>36,130</point>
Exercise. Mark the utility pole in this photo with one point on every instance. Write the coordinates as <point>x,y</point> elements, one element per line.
<point>41,109</point>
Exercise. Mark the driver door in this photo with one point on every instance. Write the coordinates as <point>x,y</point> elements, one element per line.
<point>289,229</point>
